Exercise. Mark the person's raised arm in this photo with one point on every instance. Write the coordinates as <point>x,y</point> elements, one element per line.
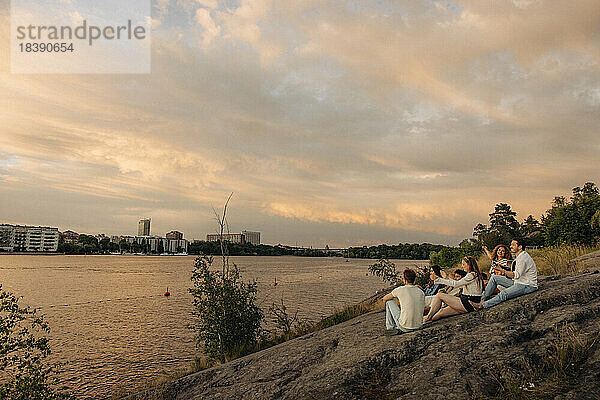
<point>468,278</point>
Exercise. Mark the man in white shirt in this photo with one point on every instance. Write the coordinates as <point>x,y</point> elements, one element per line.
<point>409,316</point>
<point>522,280</point>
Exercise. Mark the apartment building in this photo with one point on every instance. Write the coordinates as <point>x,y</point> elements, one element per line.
<point>239,238</point>
<point>28,238</point>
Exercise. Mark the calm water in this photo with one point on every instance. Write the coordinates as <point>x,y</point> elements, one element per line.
<point>115,329</point>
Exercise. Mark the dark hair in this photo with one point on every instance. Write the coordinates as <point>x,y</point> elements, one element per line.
<point>520,242</point>
<point>474,269</point>
<point>507,253</point>
<point>409,275</point>
<point>461,272</point>
<point>484,276</point>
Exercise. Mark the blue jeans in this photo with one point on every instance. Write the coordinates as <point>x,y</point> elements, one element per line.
<point>392,314</point>
<point>512,290</point>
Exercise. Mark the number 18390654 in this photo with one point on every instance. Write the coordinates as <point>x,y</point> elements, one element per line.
<point>46,47</point>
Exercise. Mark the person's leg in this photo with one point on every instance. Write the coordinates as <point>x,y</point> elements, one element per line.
<point>493,283</point>
<point>392,313</point>
<point>453,302</point>
<point>455,306</point>
<point>436,304</point>
<point>428,300</point>
<point>509,293</point>
<point>445,312</point>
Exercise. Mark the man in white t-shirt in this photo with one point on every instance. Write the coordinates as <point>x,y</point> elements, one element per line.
<point>409,316</point>
<point>522,280</point>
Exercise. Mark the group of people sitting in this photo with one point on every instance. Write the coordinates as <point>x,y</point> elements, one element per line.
<point>467,292</point>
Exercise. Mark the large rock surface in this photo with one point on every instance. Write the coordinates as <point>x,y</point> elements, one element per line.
<point>454,358</point>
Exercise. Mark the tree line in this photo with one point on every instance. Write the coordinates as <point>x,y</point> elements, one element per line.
<point>572,221</point>
<point>406,251</point>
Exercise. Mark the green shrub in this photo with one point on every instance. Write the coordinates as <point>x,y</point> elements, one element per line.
<point>23,350</point>
<point>386,270</point>
<point>227,319</point>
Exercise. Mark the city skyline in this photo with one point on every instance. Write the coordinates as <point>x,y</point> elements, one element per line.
<point>333,123</point>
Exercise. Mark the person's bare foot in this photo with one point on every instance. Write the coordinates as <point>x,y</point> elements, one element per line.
<point>477,306</point>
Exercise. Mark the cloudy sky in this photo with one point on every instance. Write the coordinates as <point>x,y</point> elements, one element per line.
<point>333,122</point>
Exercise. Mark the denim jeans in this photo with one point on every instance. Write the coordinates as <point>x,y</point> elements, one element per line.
<point>493,283</point>
<point>512,290</point>
<point>392,314</point>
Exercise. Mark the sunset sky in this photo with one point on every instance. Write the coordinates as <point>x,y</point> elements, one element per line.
<point>333,122</point>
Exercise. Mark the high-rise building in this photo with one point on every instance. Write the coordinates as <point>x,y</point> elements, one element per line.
<point>144,227</point>
<point>251,237</point>
<point>174,235</point>
<point>28,238</point>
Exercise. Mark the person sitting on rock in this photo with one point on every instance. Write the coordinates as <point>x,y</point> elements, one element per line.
<point>501,257</point>
<point>409,316</point>
<point>432,288</point>
<point>522,280</point>
<point>457,276</point>
<point>472,285</point>
<point>454,291</point>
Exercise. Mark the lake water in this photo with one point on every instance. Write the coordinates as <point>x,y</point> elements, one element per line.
<point>115,330</point>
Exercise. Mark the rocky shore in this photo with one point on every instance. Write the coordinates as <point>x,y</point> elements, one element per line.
<point>460,357</point>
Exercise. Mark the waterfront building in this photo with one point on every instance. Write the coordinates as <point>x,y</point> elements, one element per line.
<point>239,238</point>
<point>251,237</point>
<point>28,238</point>
<point>144,227</point>
<point>154,244</point>
<point>69,236</point>
<point>174,235</point>
<point>228,237</point>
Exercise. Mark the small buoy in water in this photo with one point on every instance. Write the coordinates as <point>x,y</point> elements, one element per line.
<point>167,294</point>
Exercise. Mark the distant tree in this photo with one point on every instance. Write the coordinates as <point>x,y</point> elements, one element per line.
<point>124,246</point>
<point>136,247</point>
<point>113,247</point>
<point>104,244</point>
<point>572,222</point>
<point>479,232</point>
<point>24,372</point>
<point>447,257</point>
<point>595,222</point>
<point>88,239</point>
<point>532,230</point>
<point>503,227</point>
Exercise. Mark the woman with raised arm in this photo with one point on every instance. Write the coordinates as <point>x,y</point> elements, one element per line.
<point>501,258</point>
<point>472,285</point>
